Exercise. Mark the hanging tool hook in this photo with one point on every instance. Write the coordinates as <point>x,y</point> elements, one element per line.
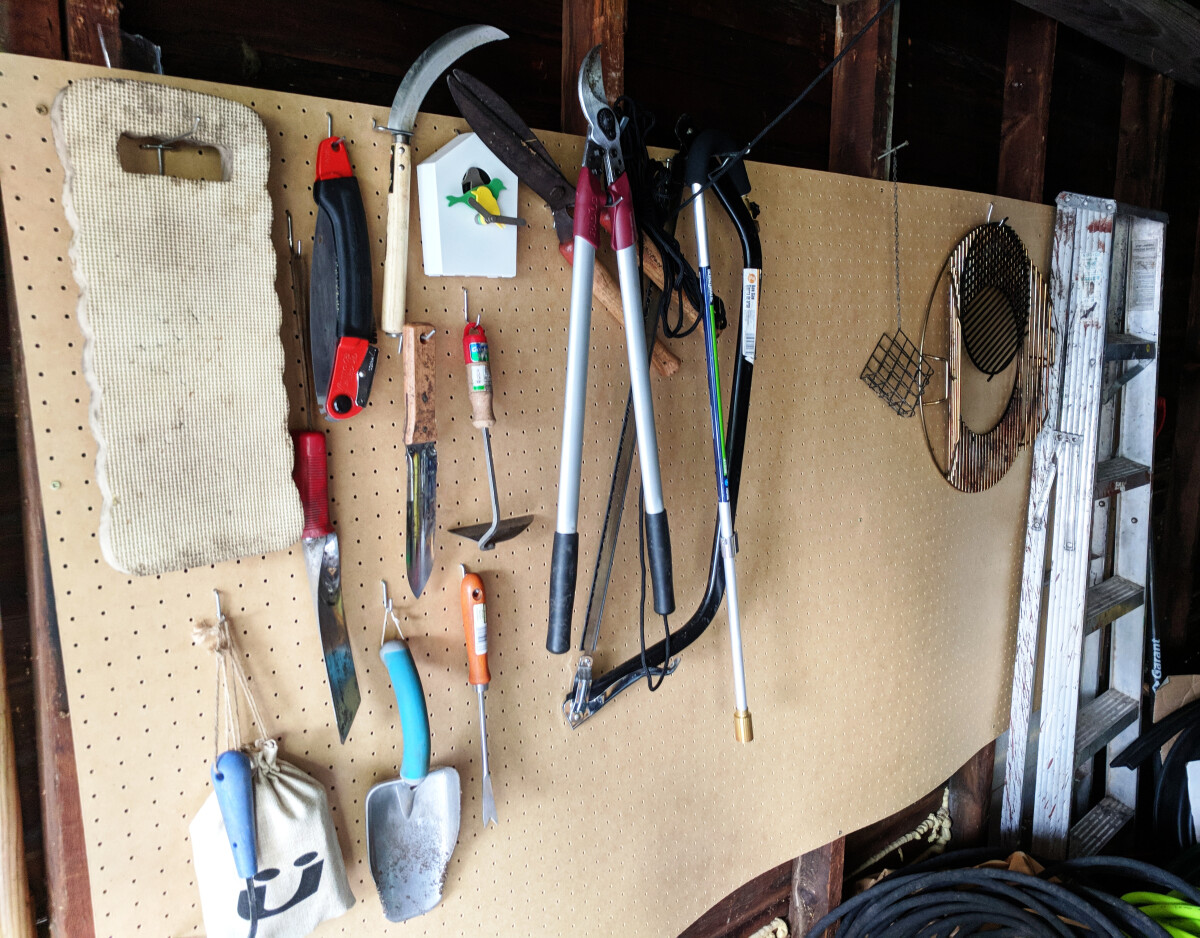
<point>169,144</point>
<point>389,615</point>
<point>217,600</point>
<point>466,315</point>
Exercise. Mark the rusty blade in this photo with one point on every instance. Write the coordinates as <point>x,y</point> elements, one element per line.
<point>515,145</point>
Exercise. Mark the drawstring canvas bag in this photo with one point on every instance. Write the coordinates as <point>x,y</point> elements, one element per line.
<point>301,878</point>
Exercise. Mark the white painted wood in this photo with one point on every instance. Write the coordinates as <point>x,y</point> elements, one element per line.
<point>1143,272</point>
<point>1086,310</point>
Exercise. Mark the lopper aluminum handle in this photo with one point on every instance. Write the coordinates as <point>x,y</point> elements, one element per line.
<point>312,479</point>
<point>474,619</point>
<point>395,262</point>
<point>410,699</point>
<point>233,782</point>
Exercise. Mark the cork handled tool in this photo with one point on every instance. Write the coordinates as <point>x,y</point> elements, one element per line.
<point>479,390</point>
<point>474,619</point>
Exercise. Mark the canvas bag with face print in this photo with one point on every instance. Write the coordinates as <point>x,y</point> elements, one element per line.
<point>301,877</point>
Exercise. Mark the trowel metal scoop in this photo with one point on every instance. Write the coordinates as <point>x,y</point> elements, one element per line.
<point>412,821</point>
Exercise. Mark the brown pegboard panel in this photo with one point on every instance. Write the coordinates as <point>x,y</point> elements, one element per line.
<point>877,601</point>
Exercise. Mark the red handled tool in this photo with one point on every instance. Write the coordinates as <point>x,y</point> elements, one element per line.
<point>343,318</point>
<point>474,617</point>
<point>479,390</point>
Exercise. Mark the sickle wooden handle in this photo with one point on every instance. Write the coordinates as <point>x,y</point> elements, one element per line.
<point>395,262</point>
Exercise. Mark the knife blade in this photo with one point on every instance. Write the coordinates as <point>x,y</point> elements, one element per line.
<point>420,433</point>
<point>322,561</point>
<point>340,299</point>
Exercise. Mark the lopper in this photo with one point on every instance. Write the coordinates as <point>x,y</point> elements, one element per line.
<point>602,184</point>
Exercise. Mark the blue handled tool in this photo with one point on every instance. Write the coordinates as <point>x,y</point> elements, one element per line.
<point>233,782</point>
<point>412,821</point>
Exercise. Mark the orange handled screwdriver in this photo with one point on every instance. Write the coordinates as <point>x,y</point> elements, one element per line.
<point>474,617</point>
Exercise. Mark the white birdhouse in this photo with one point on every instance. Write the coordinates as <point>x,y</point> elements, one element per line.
<point>462,188</point>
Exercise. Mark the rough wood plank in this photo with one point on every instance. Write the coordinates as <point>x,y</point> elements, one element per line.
<point>1027,78</point>
<point>586,23</point>
<point>748,907</point>
<point>16,910</point>
<point>816,885</point>
<point>863,85</point>
<point>67,883</point>
<point>1161,34</point>
<point>971,799</point>
<point>31,27</point>
<point>1146,103</point>
<point>93,30</point>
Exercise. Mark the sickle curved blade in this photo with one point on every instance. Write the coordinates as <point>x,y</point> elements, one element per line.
<point>443,53</point>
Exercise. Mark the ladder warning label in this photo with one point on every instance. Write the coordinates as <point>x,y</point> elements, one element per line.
<point>1142,289</point>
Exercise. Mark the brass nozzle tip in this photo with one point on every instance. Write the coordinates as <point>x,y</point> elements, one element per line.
<point>743,727</point>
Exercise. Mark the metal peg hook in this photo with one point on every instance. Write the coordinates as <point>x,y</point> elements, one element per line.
<point>169,144</point>
<point>389,615</point>
<point>217,600</point>
<point>466,315</point>
<point>328,124</point>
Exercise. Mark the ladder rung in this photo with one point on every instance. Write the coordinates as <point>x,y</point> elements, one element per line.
<point>1123,347</point>
<point>1100,720</point>
<point>1109,600</point>
<point>1119,475</point>
<point>1096,828</point>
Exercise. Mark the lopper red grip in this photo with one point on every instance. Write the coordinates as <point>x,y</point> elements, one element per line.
<point>312,479</point>
<point>333,159</point>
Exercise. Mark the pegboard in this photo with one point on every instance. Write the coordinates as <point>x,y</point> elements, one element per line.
<point>878,603</point>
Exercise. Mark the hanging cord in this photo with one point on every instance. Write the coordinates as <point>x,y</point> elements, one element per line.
<point>895,174</point>
<point>655,189</point>
<point>215,637</point>
<point>729,159</point>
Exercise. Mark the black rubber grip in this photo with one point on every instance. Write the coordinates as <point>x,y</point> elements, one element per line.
<point>341,200</point>
<point>658,553</point>
<point>563,563</point>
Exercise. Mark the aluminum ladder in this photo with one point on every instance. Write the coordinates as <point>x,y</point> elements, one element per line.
<point>1095,455</point>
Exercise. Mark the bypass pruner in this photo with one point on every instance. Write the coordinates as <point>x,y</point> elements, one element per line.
<point>602,184</point>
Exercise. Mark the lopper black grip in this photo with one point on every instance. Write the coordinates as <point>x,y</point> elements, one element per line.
<point>564,562</point>
<point>658,553</point>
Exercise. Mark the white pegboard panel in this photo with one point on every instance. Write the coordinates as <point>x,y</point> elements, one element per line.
<point>877,601</point>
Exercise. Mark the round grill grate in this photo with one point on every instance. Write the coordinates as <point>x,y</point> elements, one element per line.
<point>995,297</point>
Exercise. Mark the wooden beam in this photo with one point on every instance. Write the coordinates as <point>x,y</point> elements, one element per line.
<point>971,800</point>
<point>1181,535</point>
<point>16,909</point>
<point>67,883</point>
<point>1028,72</point>
<point>1146,103</point>
<point>816,885</point>
<point>860,124</point>
<point>587,23</point>
<point>93,30</point>
<point>31,27</point>
<point>1163,35</point>
<point>748,907</point>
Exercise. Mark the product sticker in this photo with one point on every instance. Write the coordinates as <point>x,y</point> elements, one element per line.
<point>1142,288</point>
<point>751,279</point>
<point>480,376</point>
<point>480,613</point>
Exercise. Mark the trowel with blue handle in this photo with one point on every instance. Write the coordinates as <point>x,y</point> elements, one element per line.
<point>233,782</point>
<point>412,821</point>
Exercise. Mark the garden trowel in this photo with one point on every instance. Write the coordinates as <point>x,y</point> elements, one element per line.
<point>412,821</point>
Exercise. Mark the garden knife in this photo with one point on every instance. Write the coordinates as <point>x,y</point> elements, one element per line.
<point>322,560</point>
<point>420,432</point>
